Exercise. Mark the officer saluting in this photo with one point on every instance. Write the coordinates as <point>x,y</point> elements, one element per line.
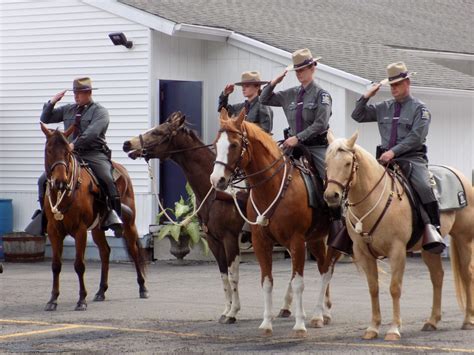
<point>255,112</point>
<point>307,108</point>
<point>403,125</point>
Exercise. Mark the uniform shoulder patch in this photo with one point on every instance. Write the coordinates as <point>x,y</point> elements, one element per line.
<point>425,113</point>
<point>325,98</point>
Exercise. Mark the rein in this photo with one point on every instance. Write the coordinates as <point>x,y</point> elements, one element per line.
<point>237,176</point>
<point>58,215</point>
<point>168,138</point>
<point>188,219</point>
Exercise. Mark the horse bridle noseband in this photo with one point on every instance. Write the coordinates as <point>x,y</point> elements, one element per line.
<point>345,188</point>
<point>168,137</point>
<point>245,145</point>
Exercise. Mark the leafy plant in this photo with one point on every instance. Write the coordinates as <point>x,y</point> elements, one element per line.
<point>191,227</point>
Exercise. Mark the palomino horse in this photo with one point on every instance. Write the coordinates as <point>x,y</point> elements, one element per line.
<point>220,219</point>
<point>243,145</point>
<point>71,208</point>
<point>354,172</point>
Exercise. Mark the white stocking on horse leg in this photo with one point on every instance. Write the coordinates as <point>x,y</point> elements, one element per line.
<point>266,325</point>
<point>298,286</point>
<point>234,285</point>
<point>321,311</point>
<point>227,294</point>
<point>285,310</point>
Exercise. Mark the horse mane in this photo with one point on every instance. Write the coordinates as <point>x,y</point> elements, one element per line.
<point>59,135</point>
<point>340,145</point>
<point>192,133</point>
<point>254,132</point>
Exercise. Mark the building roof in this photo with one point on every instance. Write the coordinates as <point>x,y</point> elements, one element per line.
<point>359,36</point>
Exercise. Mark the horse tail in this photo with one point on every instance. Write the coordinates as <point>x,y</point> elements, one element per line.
<point>456,268</point>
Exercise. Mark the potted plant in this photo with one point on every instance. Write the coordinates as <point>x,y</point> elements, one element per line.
<point>187,232</point>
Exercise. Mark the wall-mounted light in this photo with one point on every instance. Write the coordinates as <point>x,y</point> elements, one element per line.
<point>119,39</point>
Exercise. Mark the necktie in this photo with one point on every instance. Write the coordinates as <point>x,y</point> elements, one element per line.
<point>77,121</point>
<point>393,133</point>
<point>247,107</point>
<point>299,110</point>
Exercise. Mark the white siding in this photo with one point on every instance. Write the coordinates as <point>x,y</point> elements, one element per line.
<point>44,46</point>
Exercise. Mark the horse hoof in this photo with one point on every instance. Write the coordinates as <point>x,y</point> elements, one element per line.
<point>222,319</point>
<point>81,306</point>
<point>143,294</point>
<point>369,335</point>
<point>301,333</point>
<point>99,298</point>
<point>428,327</point>
<point>392,337</point>
<point>467,326</point>
<point>284,313</point>
<point>229,320</point>
<point>51,307</point>
<point>327,320</point>
<point>267,332</point>
<point>316,323</point>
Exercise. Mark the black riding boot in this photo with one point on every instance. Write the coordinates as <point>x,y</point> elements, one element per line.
<point>113,220</point>
<point>432,239</point>
<point>38,223</point>
<point>338,238</point>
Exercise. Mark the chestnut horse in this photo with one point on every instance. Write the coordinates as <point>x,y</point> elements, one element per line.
<point>353,171</point>
<point>243,145</point>
<point>71,208</point>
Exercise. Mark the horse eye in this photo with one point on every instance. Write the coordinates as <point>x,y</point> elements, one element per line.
<point>348,164</point>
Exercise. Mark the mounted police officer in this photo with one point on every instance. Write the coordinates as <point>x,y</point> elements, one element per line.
<point>403,125</point>
<point>255,112</point>
<point>91,121</point>
<point>308,108</point>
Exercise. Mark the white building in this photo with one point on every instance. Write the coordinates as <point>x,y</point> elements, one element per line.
<point>45,44</point>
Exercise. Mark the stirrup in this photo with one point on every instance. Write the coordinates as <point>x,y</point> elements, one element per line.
<point>432,240</point>
<point>113,222</point>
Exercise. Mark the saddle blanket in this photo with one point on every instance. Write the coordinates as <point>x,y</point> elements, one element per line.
<point>447,188</point>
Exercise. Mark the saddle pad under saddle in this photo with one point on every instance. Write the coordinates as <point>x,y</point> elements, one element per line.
<point>447,188</point>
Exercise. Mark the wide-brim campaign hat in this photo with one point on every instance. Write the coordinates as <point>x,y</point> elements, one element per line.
<point>82,84</point>
<point>301,59</point>
<point>397,72</point>
<point>251,78</point>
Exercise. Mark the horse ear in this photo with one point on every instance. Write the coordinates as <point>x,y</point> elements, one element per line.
<point>351,141</point>
<point>224,115</point>
<point>240,118</point>
<point>45,130</point>
<point>69,131</point>
<point>330,136</point>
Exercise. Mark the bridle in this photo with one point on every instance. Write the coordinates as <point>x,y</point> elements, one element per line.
<point>236,171</point>
<point>354,167</point>
<point>168,137</point>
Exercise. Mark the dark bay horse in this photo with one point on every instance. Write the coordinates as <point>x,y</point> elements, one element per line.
<point>354,172</point>
<point>244,145</point>
<point>71,208</point>
<point>222,223</point>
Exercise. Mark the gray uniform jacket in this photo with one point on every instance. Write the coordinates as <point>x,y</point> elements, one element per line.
<point>94,124</point>
<point>412,126</point>
<point>317,108</point>
<point>259,114</point>
<point>412,130</point>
